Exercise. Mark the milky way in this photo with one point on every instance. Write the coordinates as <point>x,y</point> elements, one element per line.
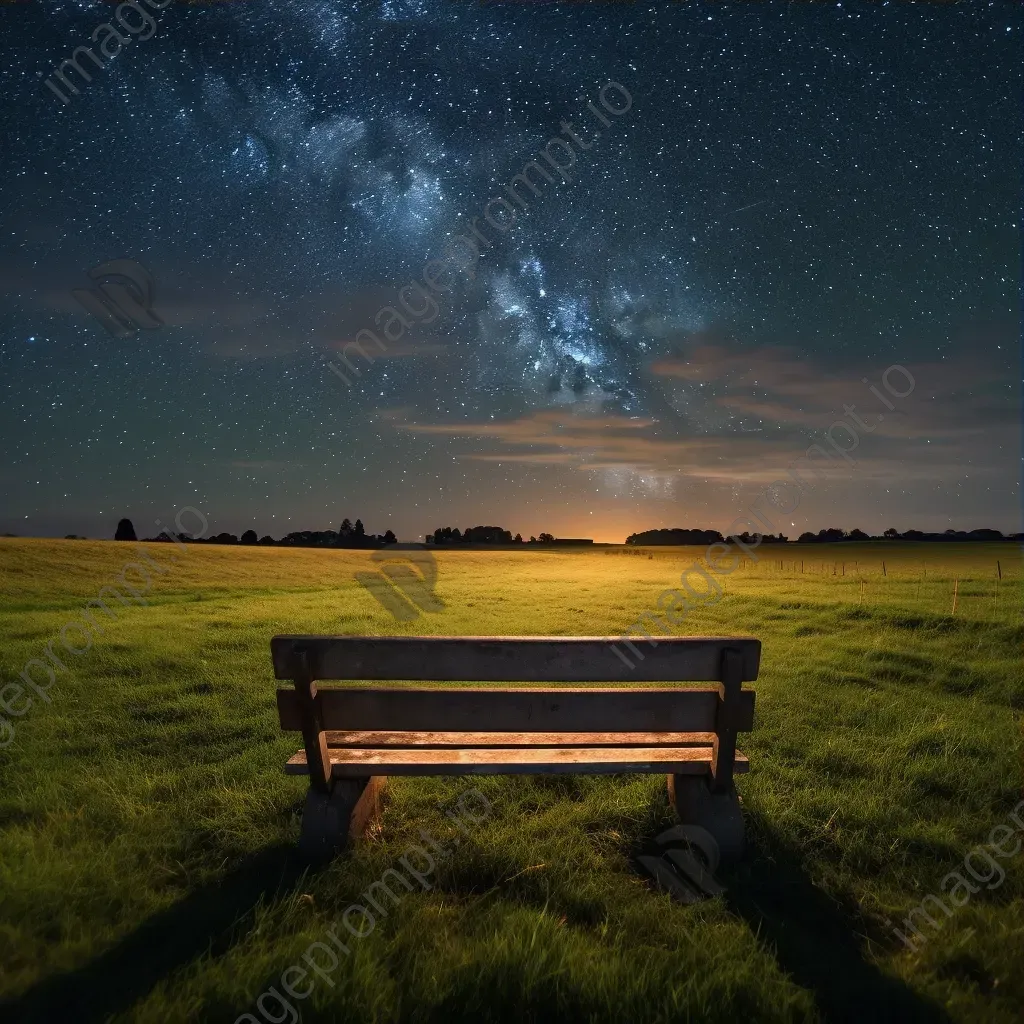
<point>830,186</point>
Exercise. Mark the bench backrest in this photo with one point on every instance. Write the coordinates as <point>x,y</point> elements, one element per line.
<point>724,709</point>
<point>523,659</point>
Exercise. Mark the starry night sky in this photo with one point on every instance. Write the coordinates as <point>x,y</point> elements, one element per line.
<point>800,196</point>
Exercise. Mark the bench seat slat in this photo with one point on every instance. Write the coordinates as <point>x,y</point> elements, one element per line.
<point>518,709</point>
<point>348,762</point>
<point>441,740</point>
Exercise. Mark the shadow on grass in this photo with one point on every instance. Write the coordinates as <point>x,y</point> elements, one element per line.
<point>815,939</point>
<point>208,920</point>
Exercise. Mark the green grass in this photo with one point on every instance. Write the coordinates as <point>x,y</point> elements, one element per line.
<point>146,828</point>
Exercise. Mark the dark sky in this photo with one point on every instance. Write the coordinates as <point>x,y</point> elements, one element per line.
<point>799,196</point>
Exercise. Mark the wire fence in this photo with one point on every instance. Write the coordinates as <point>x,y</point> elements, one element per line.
<point>970,585</point>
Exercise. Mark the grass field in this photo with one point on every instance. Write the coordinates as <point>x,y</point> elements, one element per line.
<point>146,828</point>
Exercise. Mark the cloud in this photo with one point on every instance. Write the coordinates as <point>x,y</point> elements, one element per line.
<point>944,402</point>
<point>951,415</point>
<point>560,437</point>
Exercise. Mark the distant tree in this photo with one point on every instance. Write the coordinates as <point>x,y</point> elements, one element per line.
<point>675,536</point>
<point>546,538</point>
<point>519,538</point>
<point>224,538</point>
<point>267,540</point>
<point>806,538</point>
<point>390,538</point>
<point>533,540</point>
<point>831,535</point>
<point>166,536</point>
<point>360,531</point>
<point>249,537</point>
<point>456,535</point>
<point>858,535</point>
<point>486,535</point>
<point>346,528</point>
<point>891,533</point>
<point>125,530</point>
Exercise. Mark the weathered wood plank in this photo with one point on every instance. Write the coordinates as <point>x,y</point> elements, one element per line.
<point>330,821</point>
<point>350,762</point>
<point>510,659</point>
<point>520,709</point>
<point>441,740</point>
<point>311,723</point>
<point>729,693</point>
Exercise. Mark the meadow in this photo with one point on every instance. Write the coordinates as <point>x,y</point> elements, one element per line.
<point>147,831</point>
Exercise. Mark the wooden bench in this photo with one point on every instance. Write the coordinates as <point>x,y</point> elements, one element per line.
<point>354,736</point>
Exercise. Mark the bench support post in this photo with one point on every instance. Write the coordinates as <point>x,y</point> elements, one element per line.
<point>336,809</point>
<point>717,813</point>
<point>330,820</point>
<point>723,755</point>
<point>313,736</point>
<point>711,802</point>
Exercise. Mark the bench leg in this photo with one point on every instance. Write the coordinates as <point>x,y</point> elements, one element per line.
<point>717,813</point>
<point>330,820</point>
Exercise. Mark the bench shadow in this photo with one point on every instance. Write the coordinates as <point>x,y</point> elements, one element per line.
<point>817,940</point>
<point>208,920</point>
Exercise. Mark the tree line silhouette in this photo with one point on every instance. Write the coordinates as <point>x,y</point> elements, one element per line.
<point>354,535</point>
<point>494,535</point>
<point>348,535</point>
<point>832,535</point>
